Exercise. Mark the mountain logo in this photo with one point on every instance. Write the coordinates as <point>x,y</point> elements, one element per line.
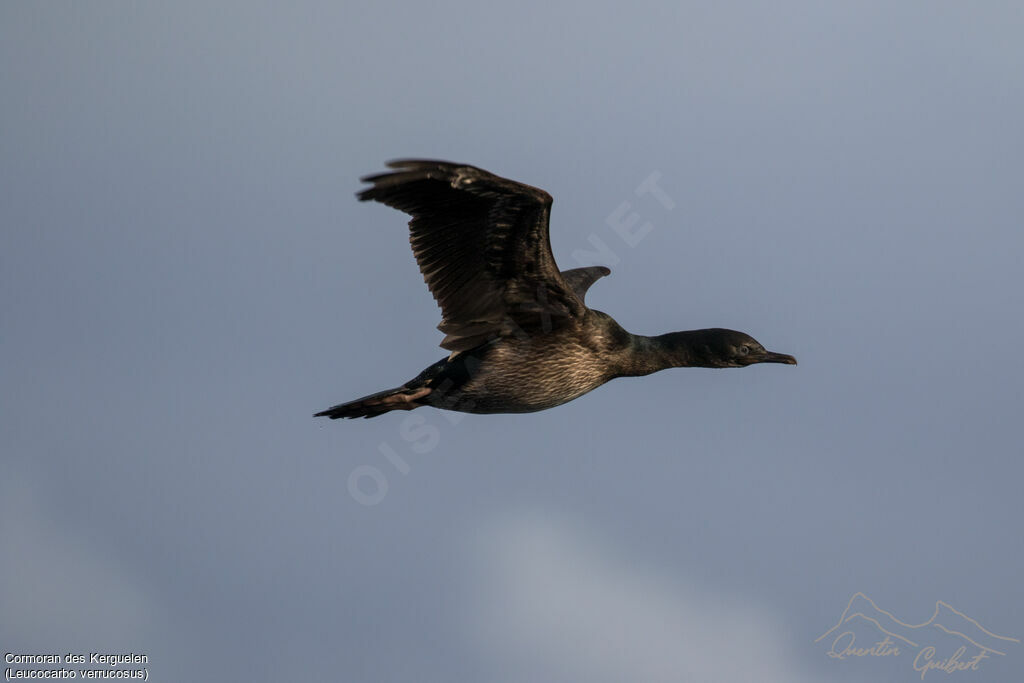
<point>950,641</point>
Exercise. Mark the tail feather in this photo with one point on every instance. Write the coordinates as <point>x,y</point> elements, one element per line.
<point>399,398</point>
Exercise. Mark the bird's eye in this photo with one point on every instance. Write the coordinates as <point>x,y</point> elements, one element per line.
<point>744,350</point>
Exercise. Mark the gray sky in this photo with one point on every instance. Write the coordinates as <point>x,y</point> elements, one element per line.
<point>186,277</point>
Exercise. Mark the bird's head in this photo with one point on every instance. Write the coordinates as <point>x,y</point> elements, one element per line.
<point>719,348</point>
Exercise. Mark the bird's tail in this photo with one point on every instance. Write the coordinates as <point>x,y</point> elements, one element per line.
<point>399,398</point>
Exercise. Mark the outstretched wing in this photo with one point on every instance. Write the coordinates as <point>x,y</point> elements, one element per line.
<point>481,242</point>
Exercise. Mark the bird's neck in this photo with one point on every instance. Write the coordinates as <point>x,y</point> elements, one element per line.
<point>672,350</point>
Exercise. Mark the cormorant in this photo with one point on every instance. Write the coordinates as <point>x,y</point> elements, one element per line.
<point>520,335</point>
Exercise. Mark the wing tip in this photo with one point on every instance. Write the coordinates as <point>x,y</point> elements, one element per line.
<point>407,170</point>
<point>421,163</point>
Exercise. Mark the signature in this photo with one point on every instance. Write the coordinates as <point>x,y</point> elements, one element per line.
<point>897,637</point>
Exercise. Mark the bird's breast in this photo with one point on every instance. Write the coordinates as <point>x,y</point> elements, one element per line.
<point>526,376</point>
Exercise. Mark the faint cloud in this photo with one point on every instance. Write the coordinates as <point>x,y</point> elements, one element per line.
<point>554,603</point>
<point>59,591</point>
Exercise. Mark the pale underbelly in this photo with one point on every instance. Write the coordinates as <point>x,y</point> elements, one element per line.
<point>523,387</point>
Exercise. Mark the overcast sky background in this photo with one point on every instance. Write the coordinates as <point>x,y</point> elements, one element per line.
<point>186,276</point>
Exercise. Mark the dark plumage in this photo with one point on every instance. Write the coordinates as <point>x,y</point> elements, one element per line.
<point>522,338</point>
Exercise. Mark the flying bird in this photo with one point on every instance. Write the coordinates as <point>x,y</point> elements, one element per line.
<point>520,334</point>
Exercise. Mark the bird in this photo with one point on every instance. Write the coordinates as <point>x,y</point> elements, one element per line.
<point>518,331</point>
